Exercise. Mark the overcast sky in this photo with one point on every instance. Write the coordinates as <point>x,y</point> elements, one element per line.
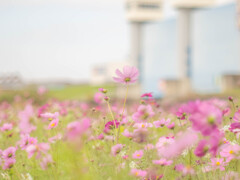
<point>54,39</point>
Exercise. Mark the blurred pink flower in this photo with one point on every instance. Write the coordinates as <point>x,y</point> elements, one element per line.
<point>53,123</point>
<point>26,140</point>
<point>217,163</point>
<point>128,76</point>
<point>137,154</point>
<point>127,134</point>
<point>41,90</point>
<point>38,149</point>
<point>77,128</point>
<point>162,162</point>
<point>8,164</point>
<point>138,173</point>
<point>161,123</point>
<point>98,97</point>
<point>147,95</point>
<point>202,148</point>
<point>9,153</point>
<point>230,152</point>
<point>144,112</point>
<point>116,149</point>
<point>46,161</point>
<point>6,127</point>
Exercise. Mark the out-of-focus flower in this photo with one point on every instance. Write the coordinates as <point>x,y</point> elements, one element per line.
<point>98,97</point>
<point>9,153</point>
<point>46,161</point>
<point>162,162</point>
<point>161,123</point>
<point>116,149</point>
<point>38,149</point>
<point>230,152</point>
<point>137,154</point>
<point>144,112</point>
<point>147,95</point>
<point>129,75</point>
<point>41,90</point>
<point>6,127</point>
<point>217,163</point>
<point>8,164</point>
<point>77,128</point>
<point>111,125</point>
<point>138,173</point>
<point>202,148</point>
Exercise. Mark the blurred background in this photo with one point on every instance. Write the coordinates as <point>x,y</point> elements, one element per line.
<point>72,47</point>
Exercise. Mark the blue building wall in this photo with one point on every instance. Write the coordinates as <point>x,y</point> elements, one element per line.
<point>215,49</point>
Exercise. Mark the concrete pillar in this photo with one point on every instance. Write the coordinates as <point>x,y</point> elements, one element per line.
<point>184,48</point>
<point>136,46</point>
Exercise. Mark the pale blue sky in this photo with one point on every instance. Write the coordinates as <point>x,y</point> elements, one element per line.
<point>61,39</point>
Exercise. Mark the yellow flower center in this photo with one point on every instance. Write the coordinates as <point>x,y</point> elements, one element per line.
<point>143,125</point>
<point>231,152</point>
<point>53,124</point>
<point>138,155</point>
<point>136,173</point>
<point>127,79</point>
<point>218,163</point>
<point>50,119</point>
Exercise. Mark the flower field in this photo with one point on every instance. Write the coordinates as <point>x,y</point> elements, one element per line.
<point>119,140</point>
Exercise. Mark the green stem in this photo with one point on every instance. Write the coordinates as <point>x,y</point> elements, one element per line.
<point>124,104</point>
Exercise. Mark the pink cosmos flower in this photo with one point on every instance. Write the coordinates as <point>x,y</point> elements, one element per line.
<point>8,164</point>
<point>46,161</point>
<point>144,112</point>
<point>202,148</point>
<point>98,98</point>
<point>55,138</point>
<point>137,154</point>
<point>26,140</point>
<point>164,141</point>
<point>138,173</point>
<point>100,136</point>
<point>217,163</point>
<point>140,135</point>
<point>111,125</point>
<point>127,134</point>
<point>161,123</point>
<point>53,123</point>
<point>205,117</point>
<point>185,170</point>
<point>171,126</point>
<point>50,116</point>
<point>147,95</point>
<point>41,90</point>
<point>38,149</point>
<point>9,153</point>
<point>236,116</point>
<point>162,162</point>
<point>116,149</point>
<point>149,147</point>
<point>77,128</point>
<point>142,125</point>
<point>6,127</point>
<point>128,76</point>
<point>230,152</point>
<point>186,140</point>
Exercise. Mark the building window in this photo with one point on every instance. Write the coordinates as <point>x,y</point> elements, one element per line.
<point>148,6</point>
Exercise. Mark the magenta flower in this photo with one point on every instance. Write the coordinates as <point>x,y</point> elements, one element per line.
<point>98,97</point>
<point>137,154</point>
<point>147,95</point>
<point>202,148</point>
<point>111,125</point>
<point>138,173</point>
<point>9,153</point>
<point>128,76</point>
<point>116,149</point>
